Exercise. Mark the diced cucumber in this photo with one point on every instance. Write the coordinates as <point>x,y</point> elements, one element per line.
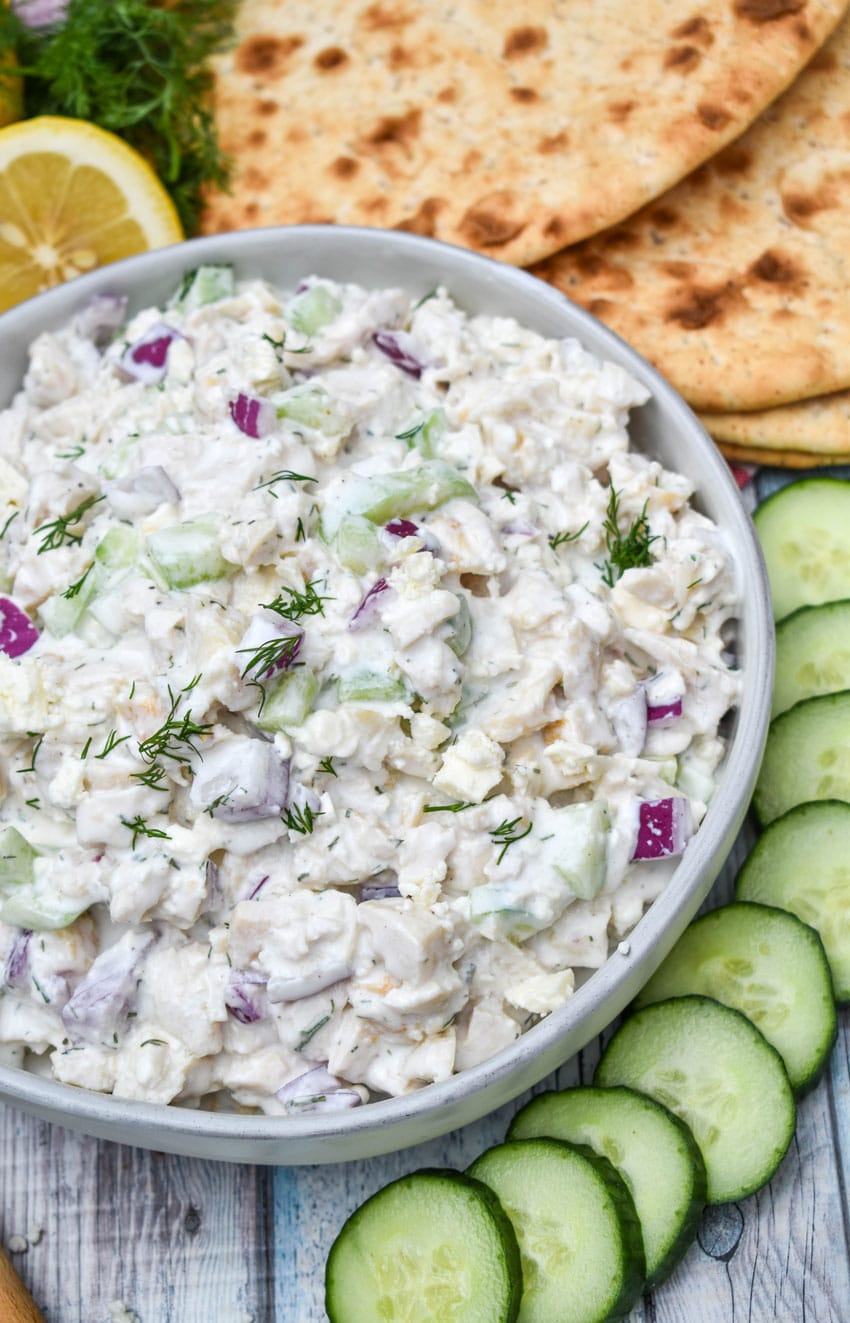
<point>578,1233</point>
<point>206,284</point>
<point>807,756</point>
<point>357,544</point>
<point>812,654</point>
<point>316,307</point>
<point>119,548</point>
<point>801,863</point>
<point>582,842</point>
<point>311,406</point>
<point>426,434</point>
<point>711,1067</point>
<point>653,1151</point>
<point>432,1245</point>
<point>804,530</point>
<point>289,701</point>
<point>768,965</point>
<point>22,903</point>
<point>459,634</point>
<point>188,553</point>
<point>388,496</point>
<point>371,687</point>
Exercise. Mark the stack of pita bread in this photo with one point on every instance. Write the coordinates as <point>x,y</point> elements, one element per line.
<point>682,170</point>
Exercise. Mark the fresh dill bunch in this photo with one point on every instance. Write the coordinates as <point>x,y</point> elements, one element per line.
<point>139,70</point>
<point>626,551</point>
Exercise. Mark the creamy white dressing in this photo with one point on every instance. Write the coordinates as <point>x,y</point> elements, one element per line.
<point>371,833</point>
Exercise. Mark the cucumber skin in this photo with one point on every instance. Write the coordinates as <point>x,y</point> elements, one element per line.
<point>743,1192</point>
<point>840,989</point>
<point>503,1224</point>
<point>760,806</point>
<point>645,997</point>
<point>690,1223</point>
<point>634,1266</point>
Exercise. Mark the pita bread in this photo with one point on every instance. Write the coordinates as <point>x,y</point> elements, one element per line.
<point>784,459</point>
<point>510,127</point>
<point>819,427</point>
<point>734,284</point>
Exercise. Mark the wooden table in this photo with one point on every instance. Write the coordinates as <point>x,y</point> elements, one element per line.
<point>179,1240</point>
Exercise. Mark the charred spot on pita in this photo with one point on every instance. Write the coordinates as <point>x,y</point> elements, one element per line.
<point>344,167</point>
<point>396,130</point>
<point>524,95</point>
<point>768,11</point>
<point>683,59</point>
<point>525,41</point>
<point>619,111</point>
<point>776,269</point>
<point>492,220</point>
<point>265,53</point>
<point>424,219</point>
<point>696,29</point>
<point>701,306</point>
<point>558,142</point>
<point>713,117</point>
<point>330,58</point>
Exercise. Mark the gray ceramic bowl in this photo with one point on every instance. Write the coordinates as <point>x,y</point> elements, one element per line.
<point>664,428</point>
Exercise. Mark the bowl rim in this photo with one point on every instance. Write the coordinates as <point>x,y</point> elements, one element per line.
<point>498,1076</point>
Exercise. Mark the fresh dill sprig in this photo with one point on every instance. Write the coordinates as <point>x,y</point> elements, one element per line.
<point>4,530</point>
<point>297,604</point>
<point>271,656</point>
<point>411,432</point>
<point>626,551</point>
<point>561,539</point>
<point>327,765</point>
<point>300,534</point>
<point>55,531</point>
<point>448,808</point>
<point>74,453</point>
<point>74,588</point>
<point>112,741</point>
<point>300,819</point>
<point>175,738</point>
<point>153,777</point>
<point>506,835</point>
<point>139,70</point>
<point>139,827</point>
<point>283,475</point>
<point>39,740</point>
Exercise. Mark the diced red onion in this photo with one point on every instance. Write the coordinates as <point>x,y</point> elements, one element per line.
<point>17,961</point>
<point>38,14</point>
<point>367,608</point>
<point>629,722</point>
<point>307,985</point>
<point>140,493</point>
<point>518,529</point>
<point>238,997</point>
<point>146,360</point>
<point>241,780</point>
<point>664,828</point>
<point>402,528</point>
<point>17,632</point>
<point>100,1002</point>
<point>101,317</point>
<point>256,418</point>
<point>664,713</point>
<point>401,349</point>
<point>318,1091</point>
<point>377,890</point>
<point>255,890</point>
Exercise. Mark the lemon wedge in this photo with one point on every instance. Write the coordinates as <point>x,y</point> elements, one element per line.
<point>73,197</point>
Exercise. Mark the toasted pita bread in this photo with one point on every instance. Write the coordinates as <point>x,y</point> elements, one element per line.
<point>735,283</point>
<point>783,459</point>
<point>819,427</point>
<point>512,128</point>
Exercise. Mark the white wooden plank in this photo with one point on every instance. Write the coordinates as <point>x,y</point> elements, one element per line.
<point>175,1238</point>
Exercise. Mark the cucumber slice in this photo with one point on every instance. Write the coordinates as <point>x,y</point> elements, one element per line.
<point>578,1233</point>
<point>432,1245</point>
<point>812,654</point>
<point>766,964</point>
<point>716,1072</point>
<point>650,1148</point>
<point>807,756</point>
<point>801,863</point>
<point>804,531</point>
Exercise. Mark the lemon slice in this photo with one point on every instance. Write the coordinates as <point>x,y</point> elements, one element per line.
<point>73,197</point>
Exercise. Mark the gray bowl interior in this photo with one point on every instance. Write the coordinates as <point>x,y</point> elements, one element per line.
<point>664,428</point>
